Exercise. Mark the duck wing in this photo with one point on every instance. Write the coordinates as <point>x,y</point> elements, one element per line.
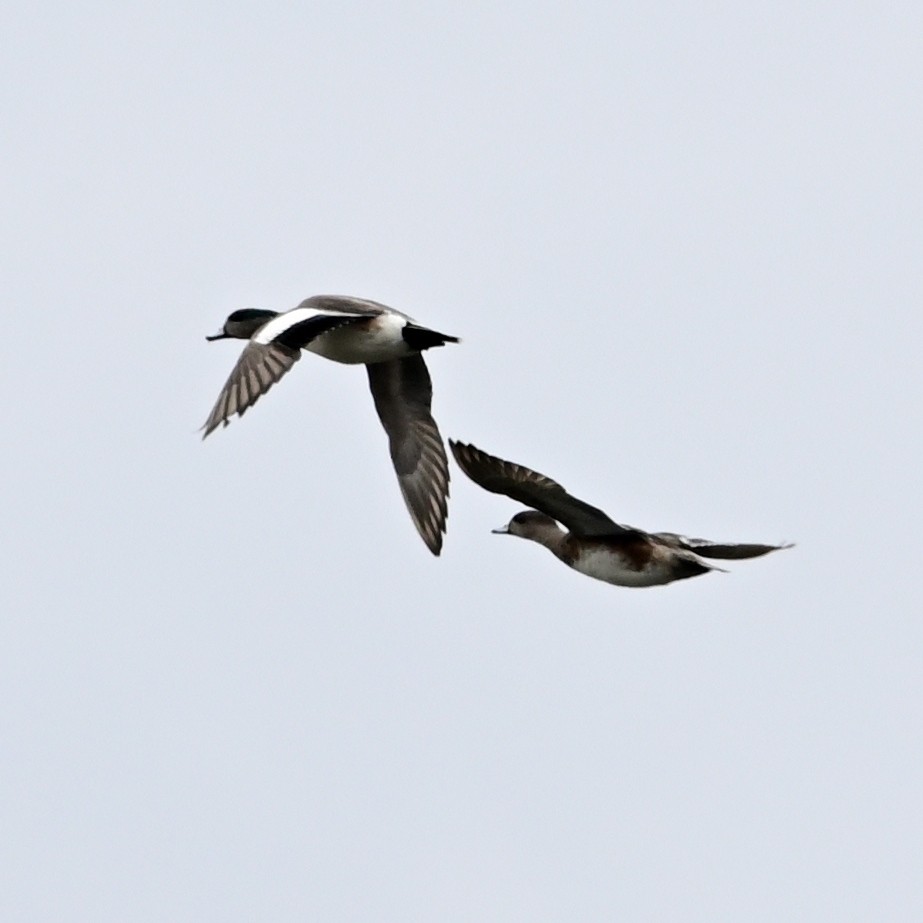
<point>403,392</point>
<point>347,304</point>
<point>298,327</point>
<point>535,490</point>
<point>723,550</point>
<point>272,351</point>
<point>259,367</point>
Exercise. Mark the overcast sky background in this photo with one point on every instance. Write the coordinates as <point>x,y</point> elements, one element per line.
<point>682,246</point>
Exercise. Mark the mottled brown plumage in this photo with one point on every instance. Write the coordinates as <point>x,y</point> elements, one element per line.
<point>595,545</point>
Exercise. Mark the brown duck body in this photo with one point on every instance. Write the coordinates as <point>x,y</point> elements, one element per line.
<point>631,558</point>
<point>596,545</point>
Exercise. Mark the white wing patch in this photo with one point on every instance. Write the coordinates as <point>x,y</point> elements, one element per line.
<point>274,328</point>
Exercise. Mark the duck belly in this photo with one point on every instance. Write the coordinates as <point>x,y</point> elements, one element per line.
<point>603,564</point>
<point>378,339</point>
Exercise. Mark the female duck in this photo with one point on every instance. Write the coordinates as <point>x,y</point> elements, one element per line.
<point>355,331</point>
<point>595,545</point>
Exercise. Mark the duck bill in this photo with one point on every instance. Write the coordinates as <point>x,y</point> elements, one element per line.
<point>503,530</point>
<point>221,335</point>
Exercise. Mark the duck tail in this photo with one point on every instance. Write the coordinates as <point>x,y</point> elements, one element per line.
<point>420,338</point>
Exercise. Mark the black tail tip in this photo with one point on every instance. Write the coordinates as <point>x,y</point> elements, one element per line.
<point>419,338</point>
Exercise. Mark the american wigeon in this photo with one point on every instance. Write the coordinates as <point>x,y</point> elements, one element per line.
<point>595,545</point>
<point>356,331</point>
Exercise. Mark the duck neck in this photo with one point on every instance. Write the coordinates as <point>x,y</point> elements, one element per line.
<point>551,535</point>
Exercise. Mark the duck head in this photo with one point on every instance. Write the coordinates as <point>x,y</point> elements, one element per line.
<point>530,524</point>
<point>242,324</point>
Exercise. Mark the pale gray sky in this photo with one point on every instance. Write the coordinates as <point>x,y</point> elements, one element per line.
<point>682,246</point>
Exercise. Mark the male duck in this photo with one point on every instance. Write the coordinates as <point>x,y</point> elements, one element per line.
<point>595,546</point>
<point>353,330</point>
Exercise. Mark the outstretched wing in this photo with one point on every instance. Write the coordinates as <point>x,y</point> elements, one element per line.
<point>259,367</point>
<point>723,550</point>
<point>298,327</point>
<point>534,490</point>
<point>347,304</point>
<point>403,393</point>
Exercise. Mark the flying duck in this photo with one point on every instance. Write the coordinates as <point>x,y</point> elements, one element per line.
<point>595,545</point>
<point>355,331</point>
